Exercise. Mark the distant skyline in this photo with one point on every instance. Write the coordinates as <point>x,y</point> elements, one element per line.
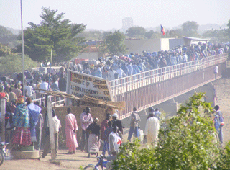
<point>107,14</point>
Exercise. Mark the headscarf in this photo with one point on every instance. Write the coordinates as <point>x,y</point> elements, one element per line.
<point>20,100</point>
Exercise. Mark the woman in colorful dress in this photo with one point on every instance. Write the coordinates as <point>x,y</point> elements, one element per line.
<point>21,119</point>
<point>70,130</point>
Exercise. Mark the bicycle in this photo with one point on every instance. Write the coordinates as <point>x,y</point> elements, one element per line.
<point>2,152</point>
<point>101,163</point>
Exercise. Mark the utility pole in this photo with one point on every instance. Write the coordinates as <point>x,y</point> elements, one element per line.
<point>52,139</point>
<point>23,81</point>
<point>2,119</point>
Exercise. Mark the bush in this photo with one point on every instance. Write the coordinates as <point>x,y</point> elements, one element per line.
<point>132,156</point>
<point>186,141</point>
<point>13,63</point>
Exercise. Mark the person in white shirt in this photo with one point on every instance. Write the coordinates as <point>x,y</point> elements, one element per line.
<point>152,128</point>
<point>56,125</point>
<point>121,72</point>
<point>114,142</point>
<point>111,74</point>
<point>29,91</point>
<point>44,85</point>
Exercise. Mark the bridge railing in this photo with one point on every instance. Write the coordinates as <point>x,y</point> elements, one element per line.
<point>122,85</point>
<point>55,102</point>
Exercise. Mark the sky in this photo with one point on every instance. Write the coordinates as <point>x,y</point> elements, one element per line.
<point>108,14</point>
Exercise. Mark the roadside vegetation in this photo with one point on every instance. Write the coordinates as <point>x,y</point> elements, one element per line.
<point>186,141</point>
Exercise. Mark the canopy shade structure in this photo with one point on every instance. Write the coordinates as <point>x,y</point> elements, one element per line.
<point>188,40</point>
<point>86,99</point>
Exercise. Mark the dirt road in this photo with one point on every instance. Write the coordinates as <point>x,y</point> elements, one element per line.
<point>67,161</point>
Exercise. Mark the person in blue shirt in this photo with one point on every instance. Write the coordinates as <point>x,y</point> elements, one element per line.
<point>219,123</point>
<point>158,114</point>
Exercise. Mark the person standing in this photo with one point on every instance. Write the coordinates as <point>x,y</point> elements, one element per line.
<point>94,135</point>
<point>70,130</point>
<point>134,124</point>
<point>21,122</point>
<point>219,123</point>
<point>152,128</point>
<point>114,142</point>
<point>104,126</point>
<point>117,124</point>
<point>12,95</point>
<point>158,114</point>
<point>17,90</point>
<point>56,125</point>
<point>107,132</point>
<point>86,119</point>
<point>62,83</point>
<point>34,112</point>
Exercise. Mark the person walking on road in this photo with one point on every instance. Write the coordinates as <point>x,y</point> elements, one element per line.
<point>86,119</point>
<point>117,124</point>
<point>219,123</point>
<point>134,124</point>
<point>151,129</point>
<point>104,126</point>
<point>158,114</point>
<point>94,135</point>
<point>56,125</point>
<point>70,131</point>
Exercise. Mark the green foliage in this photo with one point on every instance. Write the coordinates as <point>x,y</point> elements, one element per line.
<point>13,63</point>
<point>190,29</point>
<point>228,30</point>
<point>188,140</point>
<point>54,33</point>
<point>136,32</point>
<point>152,34</point>
<point>7,37</point>
<point>4,32</point>
<point>132,156</point>
<point>176,33</point>
<point>217,35</point>
<point>115,44</point>
<point>91,35</point>
<point>224,162</point>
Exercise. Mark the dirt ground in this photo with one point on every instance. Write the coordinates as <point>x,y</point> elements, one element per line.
<point>67,161</point>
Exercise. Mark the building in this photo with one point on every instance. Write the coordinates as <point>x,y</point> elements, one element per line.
<point>148,45</point>
<point>127,22</point>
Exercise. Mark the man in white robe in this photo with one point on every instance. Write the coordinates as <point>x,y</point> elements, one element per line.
<point>152,128</point>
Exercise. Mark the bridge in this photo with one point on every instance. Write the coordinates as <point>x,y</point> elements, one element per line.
<point>153,87</point>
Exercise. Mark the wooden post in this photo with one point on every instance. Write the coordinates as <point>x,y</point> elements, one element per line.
<point>52,140</point>
<point>67,100</point>
<point>3,112</point>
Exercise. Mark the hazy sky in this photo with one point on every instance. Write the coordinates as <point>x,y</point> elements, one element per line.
<point>108,14</point>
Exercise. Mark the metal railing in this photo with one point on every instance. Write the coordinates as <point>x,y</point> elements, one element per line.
<point>122,85</point>
<point>54,103</point>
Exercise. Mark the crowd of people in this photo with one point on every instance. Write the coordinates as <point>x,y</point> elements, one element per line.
<point>35,83</point>
<point>24,121</point>
<point>24,125</point>
<point>116,67</point>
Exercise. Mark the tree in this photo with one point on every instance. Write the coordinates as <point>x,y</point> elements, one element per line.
<point>13,63</point>
<point>190,28</point>
<point>186,141</point>
<point>7,37</point>
<point>91,35</point>
<point>176,33</point>
<point>54,33</point>
<point>115,43</point>
<point>136,32</point>
<point>228,30</point>
<point>217,35</point>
